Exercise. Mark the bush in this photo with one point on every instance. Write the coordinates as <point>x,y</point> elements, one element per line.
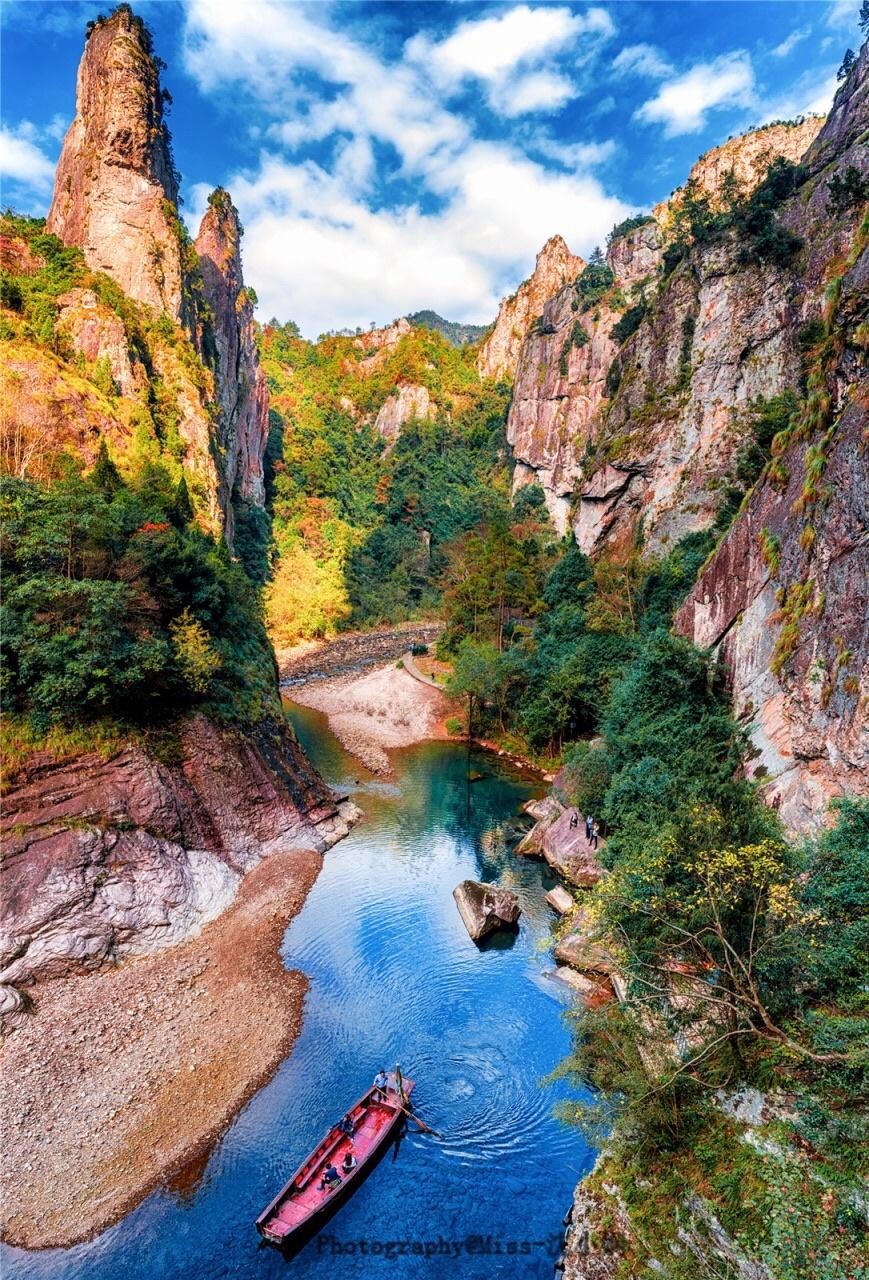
<point>629,323</point>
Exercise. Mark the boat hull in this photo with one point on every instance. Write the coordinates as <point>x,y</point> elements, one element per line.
<point>302,1207</point>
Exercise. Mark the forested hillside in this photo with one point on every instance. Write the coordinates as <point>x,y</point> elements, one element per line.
<point>368,508</point>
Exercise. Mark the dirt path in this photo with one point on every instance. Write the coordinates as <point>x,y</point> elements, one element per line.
<point>374,713</point>
<point>125,1076</point>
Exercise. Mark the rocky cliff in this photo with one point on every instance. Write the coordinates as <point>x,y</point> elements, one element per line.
<point>633,413</point>
<point>740,163</point>
<point>116,189</point>
<point>652,434</point>
<point>107,858</point>
<point>554,268</point>
<point>241,385</point>
<point>786,595</point>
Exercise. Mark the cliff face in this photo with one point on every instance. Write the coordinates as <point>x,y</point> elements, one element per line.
<point>786,595</point>
<point>242,393</point>
<point>555,266</point>
<point>654,435</point>
<point>116,191</point>
<point>408,401</point>
<point>118,857</point>
<point>561,375</point>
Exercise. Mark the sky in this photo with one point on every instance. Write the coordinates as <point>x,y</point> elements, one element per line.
<point>390,157</point>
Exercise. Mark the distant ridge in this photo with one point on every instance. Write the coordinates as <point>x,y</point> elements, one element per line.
<point>456,334</point>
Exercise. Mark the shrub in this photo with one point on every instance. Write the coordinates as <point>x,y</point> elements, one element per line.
<point>629,323</point>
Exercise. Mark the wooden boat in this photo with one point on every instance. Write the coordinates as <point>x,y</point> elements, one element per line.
<point>304,1205</point>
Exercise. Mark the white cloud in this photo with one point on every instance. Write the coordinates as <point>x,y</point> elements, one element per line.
<point>643,60</point>
<point>491,48</point>
<point>683,103</point>
<point>22,161</point>
<point>538,91</point>
<point>790,43</point>
<point>504,53</point>
<point>842,13</point>
<point>321,246</point>
<point>317,253</point>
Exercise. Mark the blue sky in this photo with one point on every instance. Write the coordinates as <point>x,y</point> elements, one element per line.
<point>387,157</point>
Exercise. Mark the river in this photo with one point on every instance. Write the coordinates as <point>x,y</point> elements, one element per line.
<point>394,977</point>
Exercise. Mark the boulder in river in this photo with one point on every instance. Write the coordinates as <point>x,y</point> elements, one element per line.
<point>484,908</point>
<point>560,900</point>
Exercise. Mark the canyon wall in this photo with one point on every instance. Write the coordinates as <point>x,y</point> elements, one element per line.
<point>785,597</point>
<point>112,857</point>
<point>116,189</point>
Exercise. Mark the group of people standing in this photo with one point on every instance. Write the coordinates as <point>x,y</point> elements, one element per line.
<point>592,829</point>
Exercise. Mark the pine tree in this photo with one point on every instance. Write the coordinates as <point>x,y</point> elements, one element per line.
<point>183,507</point>
<point>105,475</point>
<point>864,16</point>
<point>847,65</point>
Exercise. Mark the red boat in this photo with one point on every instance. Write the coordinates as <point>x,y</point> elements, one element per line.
<point>304,1204</point>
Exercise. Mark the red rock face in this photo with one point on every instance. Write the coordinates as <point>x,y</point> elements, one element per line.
<point>110,858</point>
<point>808,719</point>
<point>115,190</point>
<point>241,384</point>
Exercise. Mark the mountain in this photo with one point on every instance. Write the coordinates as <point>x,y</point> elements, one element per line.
<point>457,335</point>
<point>555,266</point>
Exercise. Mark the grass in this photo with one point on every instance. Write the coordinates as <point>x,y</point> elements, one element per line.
<point>20,741</point>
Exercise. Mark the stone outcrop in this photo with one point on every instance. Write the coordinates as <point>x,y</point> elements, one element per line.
<point>747,157</point>
<point>98,333</point>
<point>116,190</point>
<point>555,267</point>
<point>116,198</point>
<point>486,908</point>
<point>407,402</point>
<point>558,836</point>
<point>560,900</point>
<point>106,858</point>
<point>648,429</point>
<point>241,385</point>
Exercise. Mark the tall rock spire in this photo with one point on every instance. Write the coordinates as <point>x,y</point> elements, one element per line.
<point>241,386</point>
<point>116,189</point>
<point>554,268</point>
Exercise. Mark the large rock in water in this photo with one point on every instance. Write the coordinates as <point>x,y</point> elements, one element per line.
<point>484,908</point>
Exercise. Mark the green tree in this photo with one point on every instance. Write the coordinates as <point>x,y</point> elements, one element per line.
<point>473,677</point>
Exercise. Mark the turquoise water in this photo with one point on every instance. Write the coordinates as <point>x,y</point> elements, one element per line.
<point>394,977</point>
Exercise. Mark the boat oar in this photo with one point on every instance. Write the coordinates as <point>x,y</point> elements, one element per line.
<point>416,1120</point>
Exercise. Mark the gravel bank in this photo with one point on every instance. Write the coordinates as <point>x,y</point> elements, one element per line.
<point>125,1076</point>
<point>374,713</point>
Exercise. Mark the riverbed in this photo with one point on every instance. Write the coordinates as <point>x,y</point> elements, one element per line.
<point>393,977</point>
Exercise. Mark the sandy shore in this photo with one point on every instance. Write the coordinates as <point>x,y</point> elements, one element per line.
<point>375,713</point>
<point>124,1077</point>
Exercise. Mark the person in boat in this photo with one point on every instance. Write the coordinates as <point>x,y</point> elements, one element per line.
<point>349,1163</point>
<point>346,1125</point>
<point>330,1179</point>
<point>381,1083</point>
